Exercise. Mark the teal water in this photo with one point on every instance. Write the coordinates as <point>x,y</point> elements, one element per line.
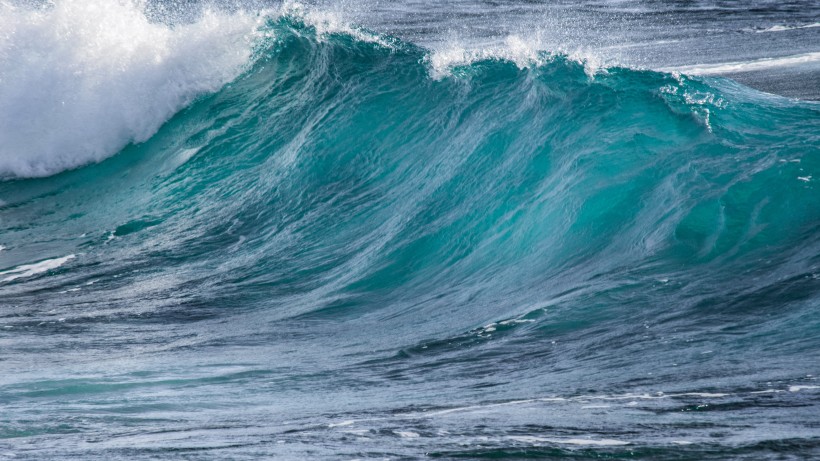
<point>351,251</point>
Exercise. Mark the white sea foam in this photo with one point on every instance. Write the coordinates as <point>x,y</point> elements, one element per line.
<point>80,79</point>
<point>595,442</point>
<point>705,395</point>
<point>328,22</point>
<point>746,66</point>
<point>585,401</point>
<point>28,270</point>
<point>802,388</point>
<point>523,52</point>
<point>357,432</point>
<point>782,28</point>
<point>342,424</point>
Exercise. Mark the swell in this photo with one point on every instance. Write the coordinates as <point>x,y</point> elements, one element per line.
<point>340,180</point>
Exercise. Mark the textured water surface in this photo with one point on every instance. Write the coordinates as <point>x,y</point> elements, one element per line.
<point>408,231</point>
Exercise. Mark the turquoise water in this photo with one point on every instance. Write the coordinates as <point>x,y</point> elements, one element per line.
<point>353,250</point>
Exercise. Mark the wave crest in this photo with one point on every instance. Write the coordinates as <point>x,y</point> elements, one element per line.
<point>83,78</point>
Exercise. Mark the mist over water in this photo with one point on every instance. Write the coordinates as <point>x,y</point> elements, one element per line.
<point>440,229</point>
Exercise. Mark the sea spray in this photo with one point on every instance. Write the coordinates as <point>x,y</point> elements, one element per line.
<point>81,79</point>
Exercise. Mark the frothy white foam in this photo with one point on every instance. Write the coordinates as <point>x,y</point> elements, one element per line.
<point>782,28</point>
<point>328,22</point>
<point>28,270</point>
<point>341,424</point>
<point>802,388</point>
<point>523,52</point>
<point>80,79</point>
<point>594,442</point>
<point>746,66</point>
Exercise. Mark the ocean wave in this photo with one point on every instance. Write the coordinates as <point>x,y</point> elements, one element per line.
<point>576,154</point>
<point>461,246</point>
<point>85,79</point>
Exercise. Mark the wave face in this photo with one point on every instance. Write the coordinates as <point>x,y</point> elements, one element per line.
<point>349,251</point>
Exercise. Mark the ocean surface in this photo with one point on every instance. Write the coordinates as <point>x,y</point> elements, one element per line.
<point>455,229</point>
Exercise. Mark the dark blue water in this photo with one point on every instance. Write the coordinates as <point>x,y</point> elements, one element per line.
<point>409,231</point>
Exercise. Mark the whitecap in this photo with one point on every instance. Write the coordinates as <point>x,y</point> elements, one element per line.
<point>802,388</point>
<point>745,66</point>
<point>28,270</point>
<point>80,79</point>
